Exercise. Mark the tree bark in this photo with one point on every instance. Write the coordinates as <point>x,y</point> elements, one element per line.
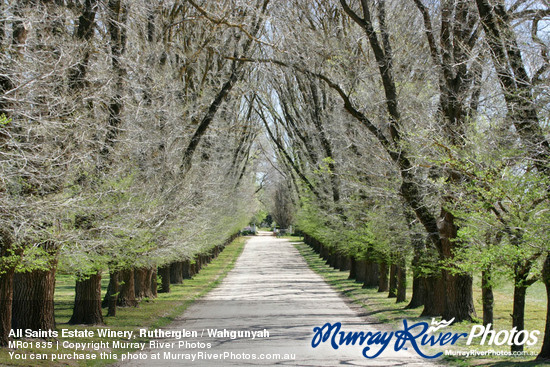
<point>361,271</point>
<point>401,283</point>
<point>176,272</point>
<point>112,293</point>
<point>164,273</point>
<point>392,289</point>
<point>545,349</point>
<point>323,251</point>
<point>6,300</point>
<point>345,263</point>
<point>518,311</point>
<point>458,291</point>
<point>112,278</point>
<point>352,268</point>
<point>383,277</point>
<point>33,299</point>
<point>87,302</point>
<point>198,263</point>
<point>417,298</point>
<point>335,261</point>
<point>434,300</point>
<point>142,283</point>
<point>192,270</point>
<point>341,262</point>
<point>154,283</point>
<point>418,288</point>
<point>332,259</point>
<point>487,296</point>
<point>127,294</point>
<point>86,22</point>
<point>459,301</point>
<point>187,270</point>
<point>371,274</point>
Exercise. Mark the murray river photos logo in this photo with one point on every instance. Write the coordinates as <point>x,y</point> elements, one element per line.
<point>417,336</point>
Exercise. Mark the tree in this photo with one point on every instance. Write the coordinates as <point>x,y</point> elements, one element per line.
<point>39,154</point>
<point>283,209</point>
<point>517,88</point>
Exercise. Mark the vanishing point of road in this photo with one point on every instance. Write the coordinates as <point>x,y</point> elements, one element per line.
<point>272,288</point>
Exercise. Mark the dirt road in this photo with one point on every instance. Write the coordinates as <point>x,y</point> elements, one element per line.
<point>272,300</point>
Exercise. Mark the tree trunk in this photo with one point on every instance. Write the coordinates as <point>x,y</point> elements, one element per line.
<point>457,291</point>
<point>417,298</point>
<point>352,268</point>
<point>86,21</point>
<point>142,283</point>
<point>198,264</point>
<point>459,303</point>
<point>6,299</point>
<point>545,350</point>
<point>324,252</point>
<point>154,283</point>
<point>164,273</point>
<point>361,271</point>
<point>518,311</point>
<point>343,264</point>
<point>434,289</point>
<point>33,306</point>
<point>186,271</point>
<point>109,292</point>
<point>371,275</point>
<point>331,259</point>
<point>87,301</point>
<point>487,296</point>
<point>392,290</point>
<point>383,277</point>
<point>334,259</point>
<point>127,294</point>
<point>401,283</point>
<point>176,272</point>
<point>112,293</point>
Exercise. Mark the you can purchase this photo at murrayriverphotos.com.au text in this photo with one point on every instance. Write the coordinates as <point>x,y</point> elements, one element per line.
<point>274,182</point>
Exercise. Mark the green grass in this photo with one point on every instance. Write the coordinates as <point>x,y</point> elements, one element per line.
<point>292,238</point>
<point>150,314</point>
<point>385,310</point>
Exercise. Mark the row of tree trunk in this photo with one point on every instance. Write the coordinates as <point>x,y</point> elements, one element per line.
<point>128,287</point>
<point>32,293</point>
<point>387,277</point>
<point>176,272</point>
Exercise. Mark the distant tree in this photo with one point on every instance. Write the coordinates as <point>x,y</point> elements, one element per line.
<point>283,208</point>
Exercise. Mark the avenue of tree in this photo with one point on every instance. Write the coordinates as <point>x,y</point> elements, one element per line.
<point>137,137</point>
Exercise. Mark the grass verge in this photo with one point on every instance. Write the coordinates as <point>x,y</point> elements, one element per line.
<point>149,314</point>
<point>385,310</point>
